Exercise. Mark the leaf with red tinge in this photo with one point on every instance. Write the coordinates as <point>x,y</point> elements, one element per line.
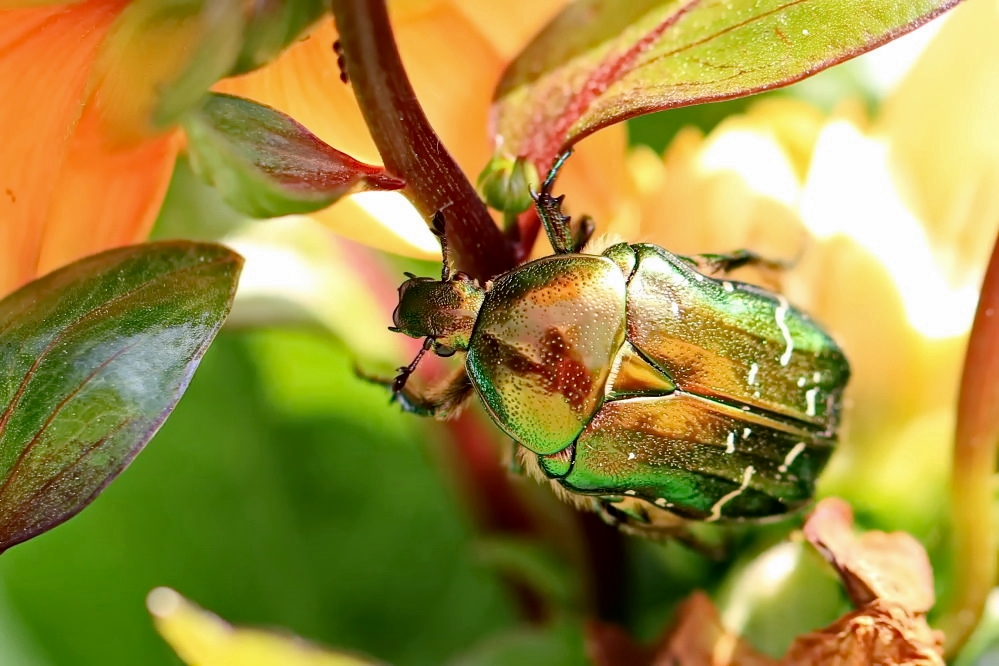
<point>602,61</point>
<point>265,164</point>
<point>95,356</point>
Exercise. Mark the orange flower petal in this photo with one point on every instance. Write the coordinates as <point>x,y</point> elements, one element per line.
<point>106,197</point>
<point>61,195</point>
<point>509,26</point>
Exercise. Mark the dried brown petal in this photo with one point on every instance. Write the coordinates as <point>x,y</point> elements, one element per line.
<point>875,565</point>
<point>881,633</point>
<point>695,638</point>
<point>698,639</point>
<point>610,645</point>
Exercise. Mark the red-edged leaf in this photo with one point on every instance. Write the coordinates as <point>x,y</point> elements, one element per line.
<point>602,61</point>
<point>265,164</point>
<point>94,356</point>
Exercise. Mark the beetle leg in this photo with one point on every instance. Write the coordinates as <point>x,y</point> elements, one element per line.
<point>641,523</point>
<point>726,263</point>
<point>582,231</point>
<point>769,270</point>
<point>557,224</point>
<point>437,229</point>
<point>441,400</point>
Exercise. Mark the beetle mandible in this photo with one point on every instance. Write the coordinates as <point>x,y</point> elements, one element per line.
<point>637,385</point>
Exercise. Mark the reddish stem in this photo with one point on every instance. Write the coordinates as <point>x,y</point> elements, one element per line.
<point>972,496</point>
<point>408,144</point>
<point>412,150</point>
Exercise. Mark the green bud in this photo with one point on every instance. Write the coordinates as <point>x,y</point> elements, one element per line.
<point>506,184</point>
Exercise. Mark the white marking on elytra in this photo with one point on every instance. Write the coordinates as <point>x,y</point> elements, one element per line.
<point>630,493</point>
<point>725,499</point>
<point>816,376</point>
<point>756,394</point>
<point>810,401</point>
<point>801,382</point>
<point>746,432</point>
<point>780,316</point>
<point>662,502</point>
<point>751,378</point>
<point>730,442</point>
<point>674,307</point>
<point>698,277</point>
<point>791,456</point>
<point>728,286</point>
<point>631,455</point>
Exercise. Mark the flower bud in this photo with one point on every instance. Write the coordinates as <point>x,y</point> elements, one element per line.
<point>506,184</point>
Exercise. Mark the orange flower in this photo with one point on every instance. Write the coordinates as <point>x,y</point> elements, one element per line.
<point>454,53</point>
<point>68,186</point>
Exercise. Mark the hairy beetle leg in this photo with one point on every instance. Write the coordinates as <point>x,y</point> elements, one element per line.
<point>770,270</point>
<point>441,400</point>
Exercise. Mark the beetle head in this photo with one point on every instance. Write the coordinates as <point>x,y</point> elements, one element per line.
<point>443,310</point>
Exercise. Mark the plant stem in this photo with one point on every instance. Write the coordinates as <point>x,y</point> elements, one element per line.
<point>434,182</point>
<point>408,144</point>
<point>972,492</point>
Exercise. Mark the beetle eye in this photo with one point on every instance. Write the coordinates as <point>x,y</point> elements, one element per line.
<point>443,351</point>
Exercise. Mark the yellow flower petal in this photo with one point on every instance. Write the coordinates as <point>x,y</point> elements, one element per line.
<point>737,188</point>
<point>508,26</point>
<point>941,126</point>
<point>202,639</point>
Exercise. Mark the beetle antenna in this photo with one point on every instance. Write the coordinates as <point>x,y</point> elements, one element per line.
<point>404,372</point>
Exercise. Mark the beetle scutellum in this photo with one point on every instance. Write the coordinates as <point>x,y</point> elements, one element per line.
<point>636,385</point>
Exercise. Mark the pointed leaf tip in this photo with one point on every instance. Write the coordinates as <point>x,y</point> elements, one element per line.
<point>600,62</point>
<point>266,165</point>
<point>94,357</point>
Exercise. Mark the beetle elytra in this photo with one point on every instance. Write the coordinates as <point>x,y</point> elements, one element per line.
<point>635,384</point>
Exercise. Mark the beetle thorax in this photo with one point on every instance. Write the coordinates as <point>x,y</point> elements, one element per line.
<point>442,310</point>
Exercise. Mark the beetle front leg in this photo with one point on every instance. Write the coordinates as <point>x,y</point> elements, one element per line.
<point>441,400</point>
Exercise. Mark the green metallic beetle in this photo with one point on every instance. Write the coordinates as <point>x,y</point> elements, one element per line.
<point>636,385</point>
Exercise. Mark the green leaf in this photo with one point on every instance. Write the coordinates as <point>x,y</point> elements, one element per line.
<point>266,165</point>
<point>161,57</point>
<point>601,61</point>
<point>274,25</point>
<point>94,357</point>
